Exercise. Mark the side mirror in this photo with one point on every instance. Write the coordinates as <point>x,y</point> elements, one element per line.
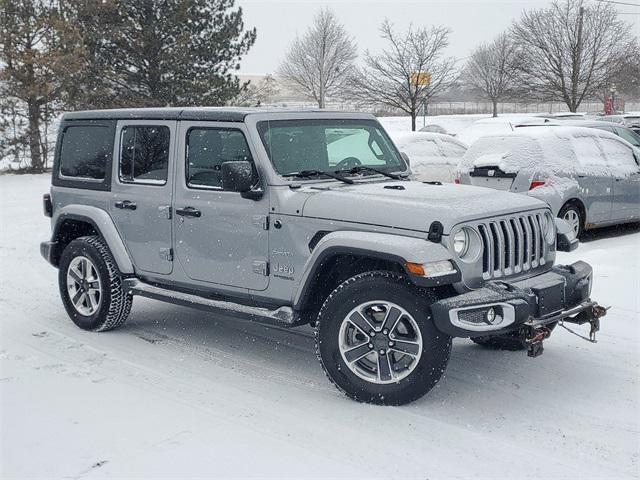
<point>566,240</point>
<point>237,176</point>
<point>405,157</point>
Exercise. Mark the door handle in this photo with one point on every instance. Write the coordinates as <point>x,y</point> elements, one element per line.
<point>189,212</point>
<point>126,205</point>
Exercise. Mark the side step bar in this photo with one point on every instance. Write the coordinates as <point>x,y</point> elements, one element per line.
<point>282,316</point>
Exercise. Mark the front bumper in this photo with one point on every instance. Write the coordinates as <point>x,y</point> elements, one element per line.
<point>500,307</point>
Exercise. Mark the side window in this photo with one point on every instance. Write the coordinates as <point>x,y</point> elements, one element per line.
<point>452,149</point>
<point>619,157</point>
<point>144,154</point>
<point>587,151</point>
<point>85,150</point>
<point>208,149</point>
<point>629,136</point>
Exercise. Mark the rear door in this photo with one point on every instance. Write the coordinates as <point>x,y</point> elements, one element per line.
<point>626,179</point>
<point>220,237</point>
<point>142,190</point>
<point>594,178</point>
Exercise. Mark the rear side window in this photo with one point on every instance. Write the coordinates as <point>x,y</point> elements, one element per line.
<point>619,157</point>
<point>587,151</point>
<point>452,149</point>
<point>144,154</point>
<point>85,151</point>
<point>208,149</point>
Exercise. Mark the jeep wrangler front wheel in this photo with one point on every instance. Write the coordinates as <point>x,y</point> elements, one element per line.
<point>91,285</point>
<point>376,341</point>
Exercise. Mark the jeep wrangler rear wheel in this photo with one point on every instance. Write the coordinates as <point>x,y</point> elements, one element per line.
<point>91,285</point>
<point>376,341</point>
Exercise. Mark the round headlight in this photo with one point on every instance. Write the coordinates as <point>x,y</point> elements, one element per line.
<point>461,242</point>
<point>548,228</point>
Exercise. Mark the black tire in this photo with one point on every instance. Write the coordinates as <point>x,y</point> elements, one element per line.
<point>511,341</point>
<point>572,207</point>
<point>394,288</point>
<point>114,303</point>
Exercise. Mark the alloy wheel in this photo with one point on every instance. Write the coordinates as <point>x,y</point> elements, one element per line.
<point>380,342</point>
<point>573,219</point>
<point>83,286</point>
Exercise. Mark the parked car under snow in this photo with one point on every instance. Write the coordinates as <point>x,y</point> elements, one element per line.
<point>589,177</point>
<point>433,157</point>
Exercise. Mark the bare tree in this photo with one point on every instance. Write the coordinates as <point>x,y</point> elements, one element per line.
<point>492,70</point>
<point>256,93</point>
<point>569,50</point>
<point>410,71</point>
<point>319,63</point>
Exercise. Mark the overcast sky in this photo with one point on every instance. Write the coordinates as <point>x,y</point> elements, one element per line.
<point>471,21</point>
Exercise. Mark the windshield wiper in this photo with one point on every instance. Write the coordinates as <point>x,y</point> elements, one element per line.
<point>317,173</point>
<point>364,168</point>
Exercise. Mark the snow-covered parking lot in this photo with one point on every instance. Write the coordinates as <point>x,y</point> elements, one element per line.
<point>178,392</point>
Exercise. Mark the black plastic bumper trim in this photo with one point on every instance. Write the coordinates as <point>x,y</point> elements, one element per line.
<point>47,250</point>
<point>545,298</point>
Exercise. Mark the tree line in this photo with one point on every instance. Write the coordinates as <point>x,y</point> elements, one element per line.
<point>571,51</point>
<point>58,55</point>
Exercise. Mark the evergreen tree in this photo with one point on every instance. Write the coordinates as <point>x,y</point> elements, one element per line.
<point>159,52</point>
<point>39,59</point>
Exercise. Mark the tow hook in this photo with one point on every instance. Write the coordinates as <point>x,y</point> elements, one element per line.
<point>534,339</point>
<point>591,316</point>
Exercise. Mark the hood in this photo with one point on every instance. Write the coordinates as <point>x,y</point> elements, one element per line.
<point>412,205</point>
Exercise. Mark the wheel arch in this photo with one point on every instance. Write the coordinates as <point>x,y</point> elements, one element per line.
<point>75,221</point>
<point>340,255</point>
<point>580,205</point>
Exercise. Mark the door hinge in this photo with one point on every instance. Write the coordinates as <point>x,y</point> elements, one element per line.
<point>166,254</point>
<point>261,267</point>
<point>261,221</point>
<point>164,211</point>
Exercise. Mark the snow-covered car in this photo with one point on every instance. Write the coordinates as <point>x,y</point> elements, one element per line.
<point>434,128</point>
<point>299,217</point>
<point>589,177</point>
<point>617,129</point>
<point>497,125</point>
<point>433,157</point>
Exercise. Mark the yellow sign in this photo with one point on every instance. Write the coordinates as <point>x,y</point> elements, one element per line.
<point>421,79</point>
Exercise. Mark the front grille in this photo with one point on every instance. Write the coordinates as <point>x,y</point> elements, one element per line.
<point>512,245</point>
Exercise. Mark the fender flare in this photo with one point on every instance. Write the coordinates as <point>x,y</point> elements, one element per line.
<point>396,248</point>
<point>103,224</point>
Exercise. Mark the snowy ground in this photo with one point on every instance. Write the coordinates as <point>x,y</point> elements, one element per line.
<point>181,393</point>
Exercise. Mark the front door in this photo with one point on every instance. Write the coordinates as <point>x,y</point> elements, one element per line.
<point>220,237</point>
<point>626,179</point>
<point>142,189</point>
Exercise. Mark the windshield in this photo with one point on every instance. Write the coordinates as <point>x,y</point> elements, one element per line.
<point>328,145</point>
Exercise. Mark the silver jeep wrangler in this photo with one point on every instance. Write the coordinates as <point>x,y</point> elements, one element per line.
<point>296,218</point>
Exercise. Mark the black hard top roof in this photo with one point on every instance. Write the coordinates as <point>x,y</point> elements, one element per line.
<point>220,114</point>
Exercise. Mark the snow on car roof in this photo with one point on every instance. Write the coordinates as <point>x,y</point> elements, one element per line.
<point>549,148</point>
<point>422,147</point>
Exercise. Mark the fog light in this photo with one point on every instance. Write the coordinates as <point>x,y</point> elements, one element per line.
<point>491,315</point>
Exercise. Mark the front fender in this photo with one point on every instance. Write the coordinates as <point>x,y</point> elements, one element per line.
<point>396,248</point>
<point>102,223</point>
